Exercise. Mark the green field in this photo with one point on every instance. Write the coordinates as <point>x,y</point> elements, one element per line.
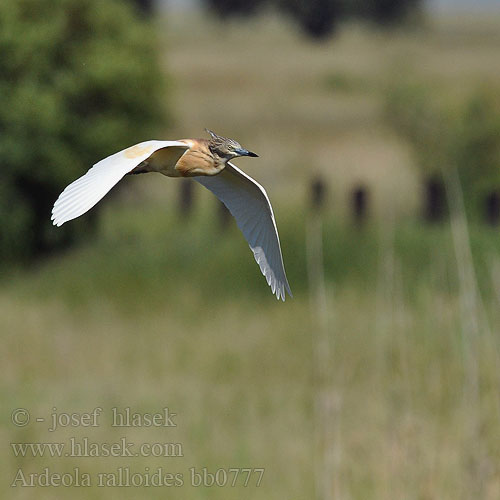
<point>399,349</point>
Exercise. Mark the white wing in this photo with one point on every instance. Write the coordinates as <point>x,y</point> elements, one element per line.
<point>250,206</point>
<point>82,194</point>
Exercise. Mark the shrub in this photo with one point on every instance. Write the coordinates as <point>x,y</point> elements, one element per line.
<point>476,148</point>
<point>80,79</point>
<point>447,134</point>
<point>319,19</point>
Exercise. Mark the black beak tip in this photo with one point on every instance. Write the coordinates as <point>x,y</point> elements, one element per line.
<point>253,155</point>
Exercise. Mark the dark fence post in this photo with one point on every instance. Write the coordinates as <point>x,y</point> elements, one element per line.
<point>186,197</point>
<point>492,208</point>
<point>145,7</point>
<point>318,193</point>
<point>434,200</point>
<point>359,203</point>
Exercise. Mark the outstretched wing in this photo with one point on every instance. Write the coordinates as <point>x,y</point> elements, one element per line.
<point>82,194</point>
<point>250,206</point>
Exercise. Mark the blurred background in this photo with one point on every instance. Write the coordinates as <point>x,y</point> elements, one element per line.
<point>377,123</point>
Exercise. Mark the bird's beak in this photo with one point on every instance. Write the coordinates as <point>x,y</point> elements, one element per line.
<point>245,152</point>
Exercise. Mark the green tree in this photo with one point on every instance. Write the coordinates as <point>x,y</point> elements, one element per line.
<point>316,18</point>
<point>319,18</point>
<point>476,148</point>
<point>79,79</point>
<point>231,8</point>
<point>383,12</point>
<point>446,133</point>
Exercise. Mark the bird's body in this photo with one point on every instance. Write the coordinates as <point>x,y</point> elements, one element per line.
<point>207,162</point>
<point>177,161</point>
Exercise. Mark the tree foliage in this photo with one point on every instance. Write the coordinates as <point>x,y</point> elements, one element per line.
<point>79,79</point>
<point>316,18</point>
<point>319,18</point>
<point>476,147</point>
<point>446,134</point>
<point>382,12</point>
<point>234,8</point>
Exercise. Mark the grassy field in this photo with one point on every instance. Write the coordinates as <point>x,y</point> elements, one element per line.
<point>160,311</point>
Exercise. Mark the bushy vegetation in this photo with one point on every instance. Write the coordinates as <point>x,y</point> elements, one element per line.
<point>451,134</point>
<point>230,8</point>
<point>79,80</point>
<point>319,18</point>
<point>476,148</point>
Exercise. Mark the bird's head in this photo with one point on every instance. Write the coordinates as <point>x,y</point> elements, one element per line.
<point>227,148</point>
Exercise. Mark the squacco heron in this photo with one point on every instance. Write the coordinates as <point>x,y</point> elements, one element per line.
<point>207,162</point>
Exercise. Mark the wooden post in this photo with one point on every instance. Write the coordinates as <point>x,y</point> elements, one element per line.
<point>492,208</point>
<point>359,203</point>
<point>186,197</point>
<point>145,7</point>
<point>434,199</point>
<point>318,193</point>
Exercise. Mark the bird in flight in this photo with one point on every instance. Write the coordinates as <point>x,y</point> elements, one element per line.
<point>207,161</point>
